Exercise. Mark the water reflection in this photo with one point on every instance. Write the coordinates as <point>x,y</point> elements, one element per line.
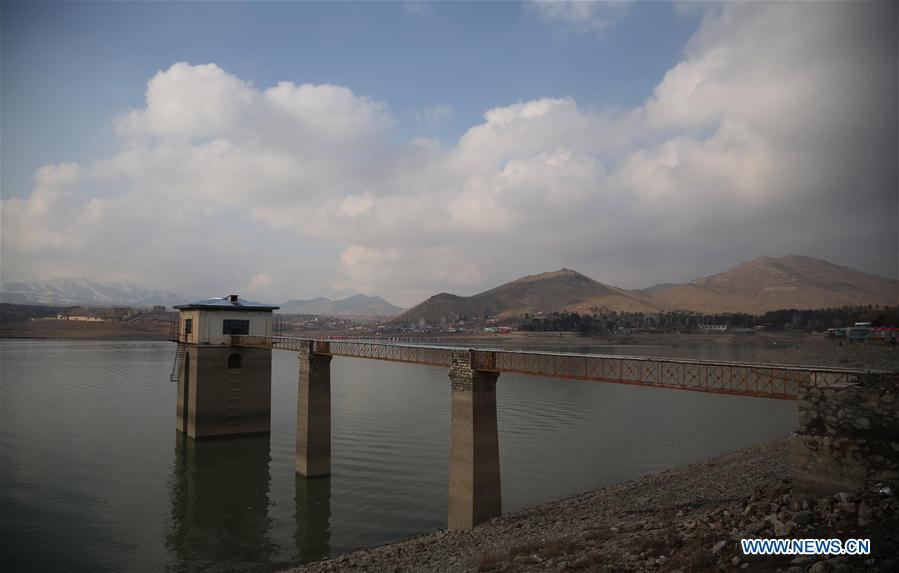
<point>313,516</point>
<point>219,494</point>
<point>97,481</point>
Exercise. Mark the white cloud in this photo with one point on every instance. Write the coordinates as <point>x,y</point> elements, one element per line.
<point>581,16</point>
<point>743,148</point>
<point>435,115</point>
<point>355,205</point>
<point>416,7</point>
<point>260,281</point>
<point>190,101</point>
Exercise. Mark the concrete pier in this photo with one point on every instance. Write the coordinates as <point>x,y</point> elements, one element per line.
<point>313,456</point>
<point>186,413</point>
<point>474,479</point>
<point>224,391</point>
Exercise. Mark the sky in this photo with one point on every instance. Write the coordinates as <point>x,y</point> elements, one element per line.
<point>299,149</point>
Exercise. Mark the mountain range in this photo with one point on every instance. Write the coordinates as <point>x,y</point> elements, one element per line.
<point>753,287</point>
<point>358,305</point>
<point>87,292</point>
<point>80,291</point>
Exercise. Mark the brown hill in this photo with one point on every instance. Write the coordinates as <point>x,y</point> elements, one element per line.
<point>692,297</point>
<point>754,287</point>
<point>767,283</point>
<point>563,290</point>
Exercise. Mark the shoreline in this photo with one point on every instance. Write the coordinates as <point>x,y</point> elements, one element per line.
<point>684,519</point>
<point>132,331</point>
<point>786,349</point>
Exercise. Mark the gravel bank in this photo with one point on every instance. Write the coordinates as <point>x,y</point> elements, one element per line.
<point>686,519</point>
<point>820,351</point>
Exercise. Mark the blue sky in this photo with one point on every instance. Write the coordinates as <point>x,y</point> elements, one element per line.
<point>291,150</point>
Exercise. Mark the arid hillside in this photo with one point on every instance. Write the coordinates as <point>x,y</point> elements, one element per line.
<point>562,290</point>
<point>766,283</point>
<point>753,287</point>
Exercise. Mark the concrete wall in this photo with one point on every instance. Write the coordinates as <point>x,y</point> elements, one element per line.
<point>224,401</point>
<point>207,324</point>
<point>183,316</point>
<point>848,436</point>
<point>185,415</point>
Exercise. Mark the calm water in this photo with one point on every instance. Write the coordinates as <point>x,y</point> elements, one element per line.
<point>95,478</point>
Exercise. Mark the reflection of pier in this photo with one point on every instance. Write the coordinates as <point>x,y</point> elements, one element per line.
<point>474,479</point>
<point>313,517</point>
<point>219,502</point>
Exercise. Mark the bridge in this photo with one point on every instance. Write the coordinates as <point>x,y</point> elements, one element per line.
<point>474,482</point>
<point>742,379</point>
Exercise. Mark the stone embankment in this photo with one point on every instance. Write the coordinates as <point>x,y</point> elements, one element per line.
<point>848,435</point>
<point>686,519</point>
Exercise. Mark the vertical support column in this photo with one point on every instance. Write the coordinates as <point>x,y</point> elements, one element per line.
<point>474,483</point>
<point>314,413</point>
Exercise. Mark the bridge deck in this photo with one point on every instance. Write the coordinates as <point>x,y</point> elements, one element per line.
<point>764,380</point>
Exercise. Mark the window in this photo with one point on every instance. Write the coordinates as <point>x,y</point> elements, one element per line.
<point>188,326</point>
<point>235,327</point>
<point>234,361</point>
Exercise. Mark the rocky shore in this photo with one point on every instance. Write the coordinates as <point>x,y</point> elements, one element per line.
<point>820,351</point>
<point>681,520</point>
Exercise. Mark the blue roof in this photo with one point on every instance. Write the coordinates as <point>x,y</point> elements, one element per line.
<point>228,303</point>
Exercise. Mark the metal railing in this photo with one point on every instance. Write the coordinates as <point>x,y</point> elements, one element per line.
<point>744,379</point>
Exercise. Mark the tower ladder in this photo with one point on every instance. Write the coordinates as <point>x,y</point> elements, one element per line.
<point>179,360</point>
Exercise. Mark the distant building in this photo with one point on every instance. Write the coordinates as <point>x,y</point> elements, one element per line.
<point>861,331</point>
<point>713,327</point>
<point>80,317</point>
<point>884,332</point>
<point>158,308</point>
<point>118,312</point>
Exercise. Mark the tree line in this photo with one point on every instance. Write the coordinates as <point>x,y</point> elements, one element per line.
<point>817,320</point>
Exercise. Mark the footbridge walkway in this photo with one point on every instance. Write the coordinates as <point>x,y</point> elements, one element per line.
<point>744,379</point>
<point>474,480</point>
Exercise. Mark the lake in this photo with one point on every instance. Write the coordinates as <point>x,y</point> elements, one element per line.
<point>94,476</point>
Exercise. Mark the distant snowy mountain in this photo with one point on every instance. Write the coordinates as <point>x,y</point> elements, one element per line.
<point>85,292</point>
<point>357,305</point>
